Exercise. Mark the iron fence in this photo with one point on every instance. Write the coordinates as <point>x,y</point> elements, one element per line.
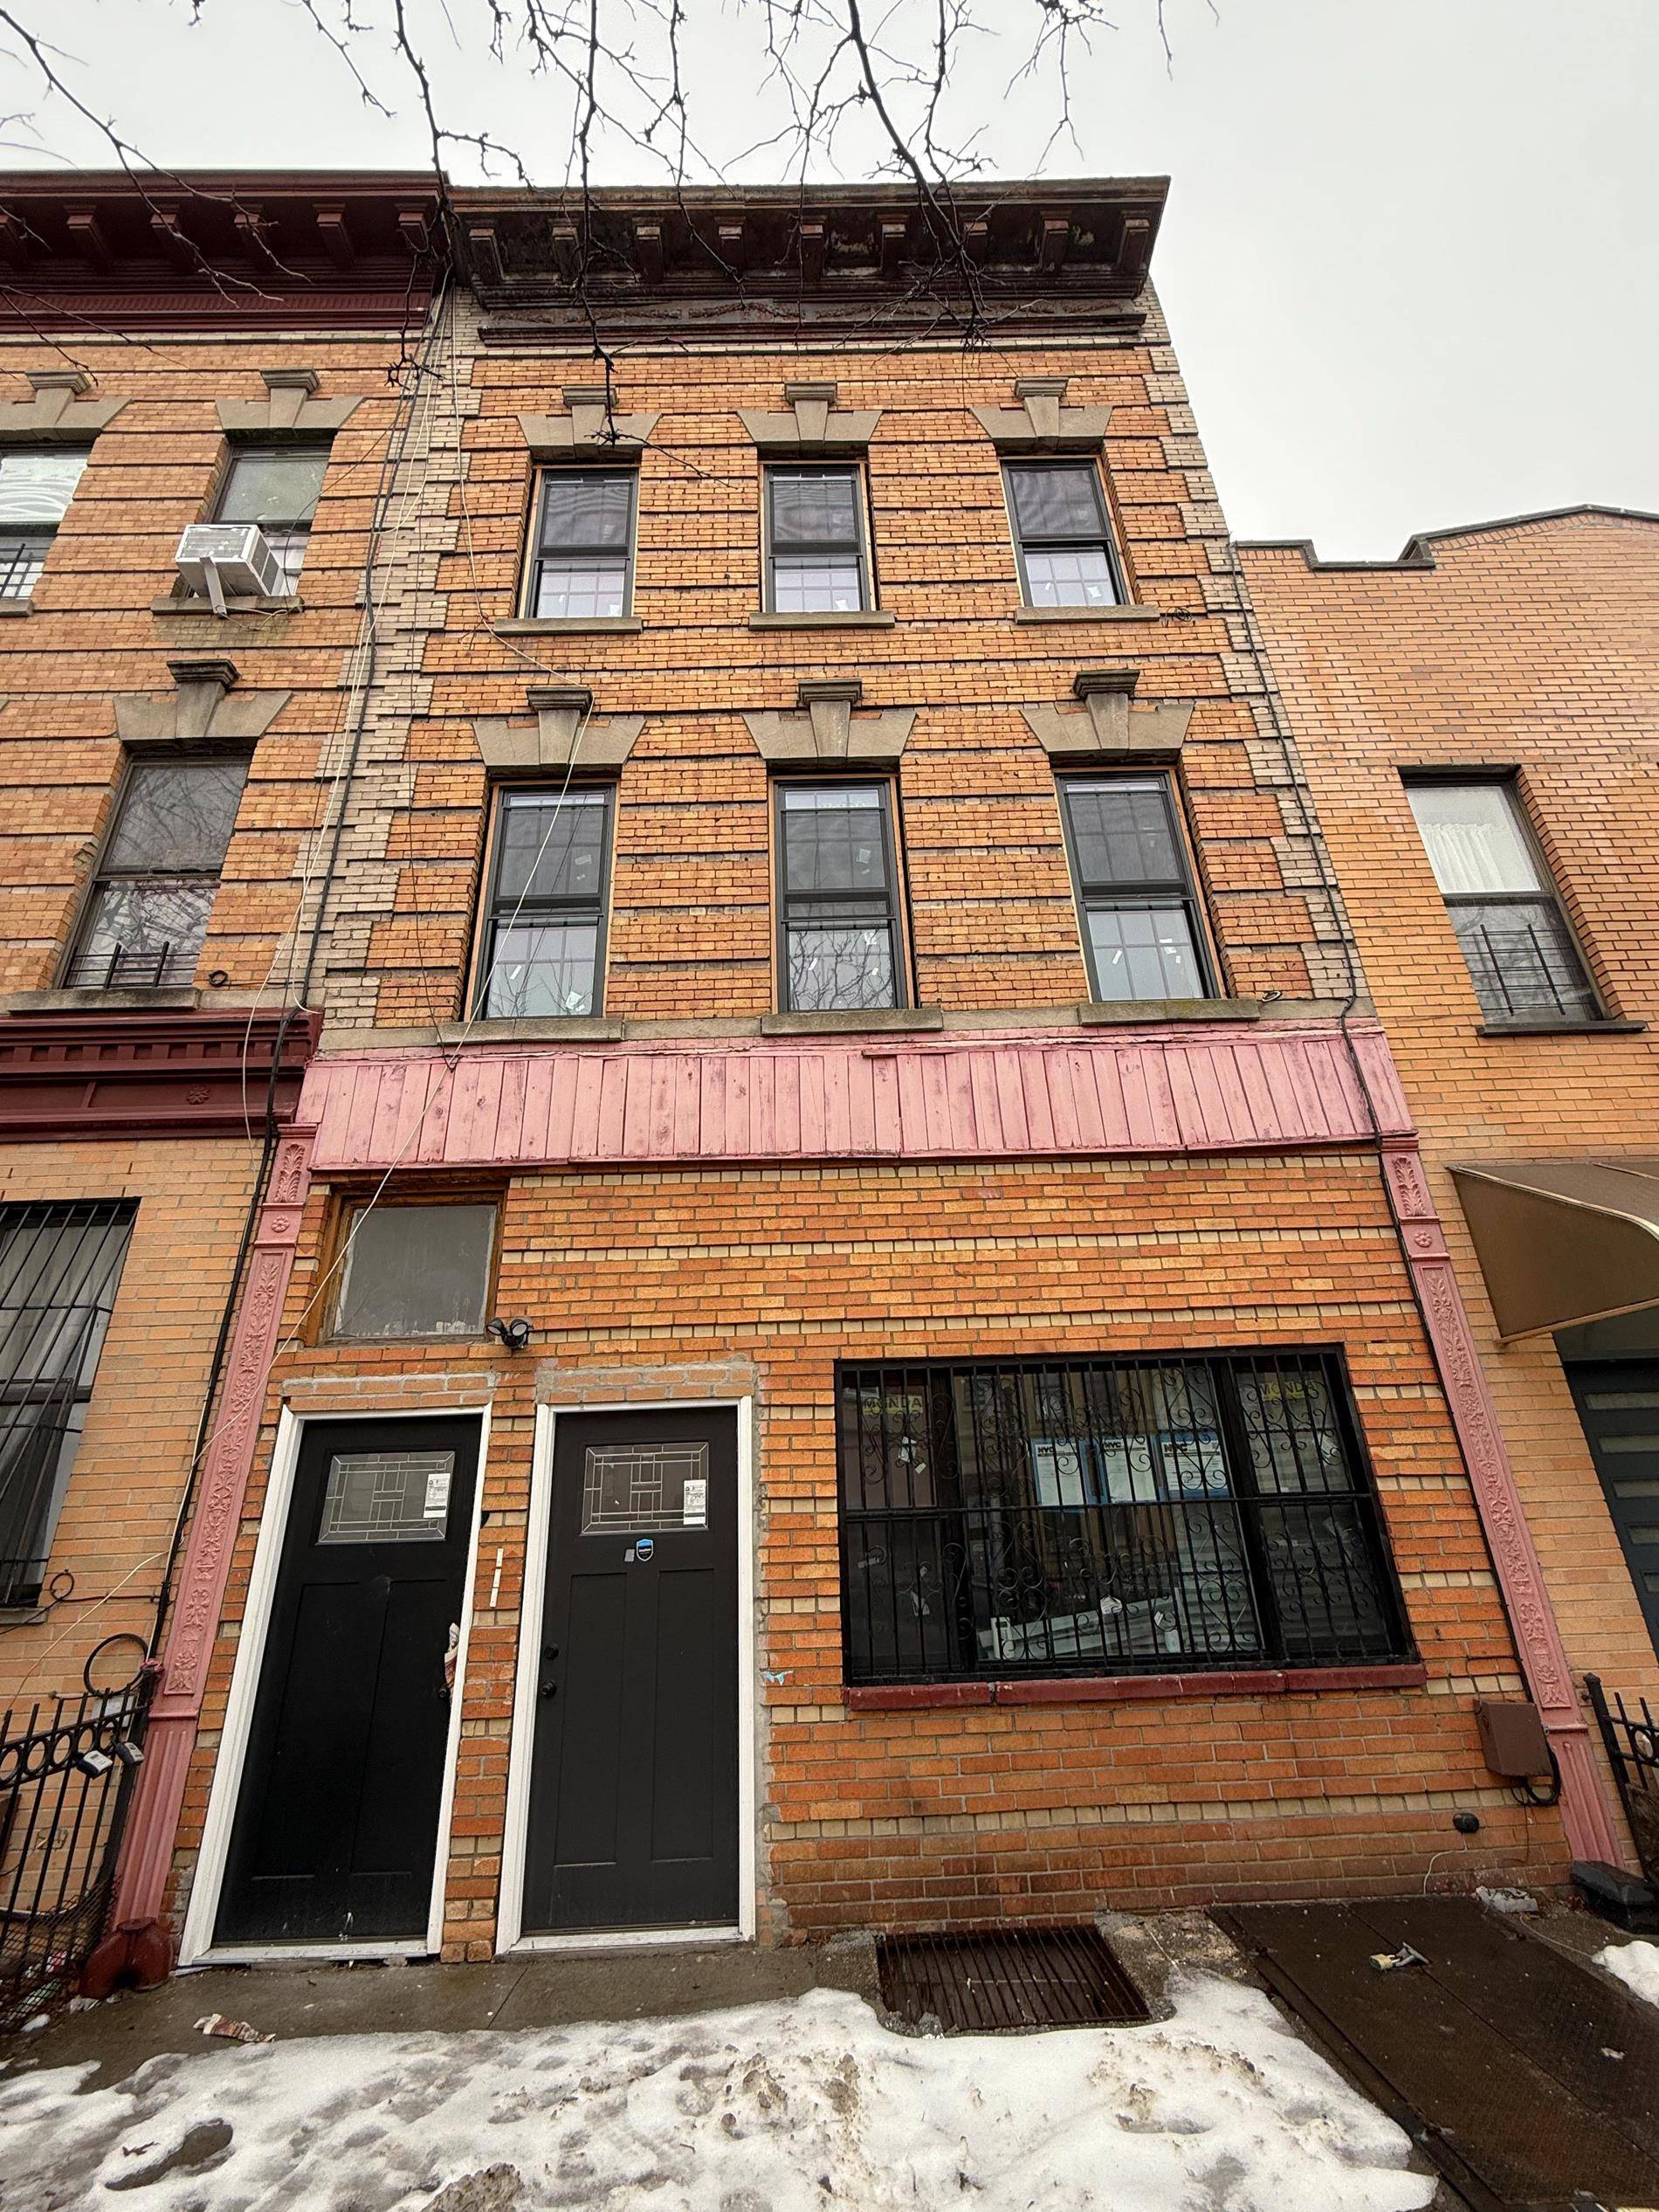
<point>1632,1744</point>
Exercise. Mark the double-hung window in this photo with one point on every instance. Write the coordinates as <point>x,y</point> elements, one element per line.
<point>1141,936</point>
<point>148,914</point>
<point>1521,959</point>
<point>1097,1517</point>
<point>817,559</point>
<point>35,492</point>
<point>1061,535</point>
<point>839,941</point>
<point>59,1267</point>
<point>542,948</point>
<point>582,562</point>
<point>277,487</point>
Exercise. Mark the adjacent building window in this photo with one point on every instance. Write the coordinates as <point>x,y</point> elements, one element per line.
<point>1141,936</point>
<point>1062,537</point>
<point>839,942</point>
<point>415,1271</point>
<point>1089,1517</point>
<point>276,486</point>
<point>60,1268</point>
<point>582,559</point>
<point>148,914</point>
<point>542,948</point>
<point>35,492</point>
<point>1521,959</point>
<point>817,560</point>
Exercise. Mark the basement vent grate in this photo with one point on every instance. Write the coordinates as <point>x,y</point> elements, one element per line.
<point>991,1984</point>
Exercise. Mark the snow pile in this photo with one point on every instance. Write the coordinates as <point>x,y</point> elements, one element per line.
<point>1636,1966</point>
<point>772,2108</point>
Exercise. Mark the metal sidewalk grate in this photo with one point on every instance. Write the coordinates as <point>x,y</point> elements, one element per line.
<point>1000,1983</point>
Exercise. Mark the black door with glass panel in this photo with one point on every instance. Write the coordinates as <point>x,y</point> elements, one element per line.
<point>634,1776</point>
<point>1618,1403</point>
<point>336,1822</point>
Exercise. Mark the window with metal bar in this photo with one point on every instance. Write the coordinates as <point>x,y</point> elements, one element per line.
<point>1089,1517</point>
<point>35,492</point>
<point>60,1268</point>
<point>1141,935</point>
<point>541,950</point>
<point>277,487</point>
<point>1062,537</point>
<point>582,559</point>
<point>817,557</point>
<point>148,914</point>
<point>839,947</point>
<point>1522,958</point>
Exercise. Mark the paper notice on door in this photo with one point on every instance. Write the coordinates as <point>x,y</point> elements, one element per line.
<point>693,1509</point>
<point>437,1494</point>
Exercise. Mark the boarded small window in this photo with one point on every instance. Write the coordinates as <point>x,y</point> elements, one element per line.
<point>416,1270</point>
<point>277,487</point>
<point>35,492</point>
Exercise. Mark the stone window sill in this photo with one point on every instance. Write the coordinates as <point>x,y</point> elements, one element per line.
<point>17,607</point>
<point>568,626</point>
<point>1561,1029</point>
<point>175,603</point>
<point>1265,1682</point>
<point>866,618</point>
<point>1106,1013</point>
<point>575,1029</point>
<point>866,1020</point>
<point>171,999</point>
<point>22,1616</point>
<point>1137,613</point>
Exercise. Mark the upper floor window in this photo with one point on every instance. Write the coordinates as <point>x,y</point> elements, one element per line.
<point>542,948</point>
<point>1522,958</point>
<point>839,941</point>
<point>410,1269</point>
<point>35,492</point>
<point>1141,936</point>
<point>1062,536</point>
<point>582,562</point>
<point>276,486</point>
<point>147,913</point>
<point>817,561</point>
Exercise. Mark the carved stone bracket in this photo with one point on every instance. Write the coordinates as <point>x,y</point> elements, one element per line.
<point>200,709</point>
<point>57,414</point>
<point>810,423</point>
<point>587,429</point>
<point>1040,421</point>
<point>1108,722</point>
<point>567,733</point>
<point>830,730</point>
<point>290,409</point>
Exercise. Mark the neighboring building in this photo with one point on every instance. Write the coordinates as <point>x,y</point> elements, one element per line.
<point>1480,724</point>
<point>846,1329</point>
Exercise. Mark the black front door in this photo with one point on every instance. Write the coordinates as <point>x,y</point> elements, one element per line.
<point>1619,1406</point>
<point>633,1787</point>
<point>336,1820</point>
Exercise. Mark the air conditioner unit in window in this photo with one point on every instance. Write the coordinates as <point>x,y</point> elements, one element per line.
<point>217,557</point>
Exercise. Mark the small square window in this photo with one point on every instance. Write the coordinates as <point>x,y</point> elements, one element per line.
<point>416,1270</point>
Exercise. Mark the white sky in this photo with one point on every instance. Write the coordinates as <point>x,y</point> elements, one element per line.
<point>1409,255</point>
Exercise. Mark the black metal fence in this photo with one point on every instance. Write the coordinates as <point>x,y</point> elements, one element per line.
<point>67,1770</point>
<point>1632,1742</point>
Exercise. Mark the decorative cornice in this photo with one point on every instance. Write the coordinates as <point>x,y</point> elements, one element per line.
<point>57,414</point>
<point>290,409</point>
<point>1108,723</point>
<point>1040,421</point>
<point>127,1072</point>
<point>830,730</point>
<point>809,423</point>
<point>199,710</point>
<point>567,733</point>
<point>592,427</point>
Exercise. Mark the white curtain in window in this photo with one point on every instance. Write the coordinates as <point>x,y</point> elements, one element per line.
<point>1475,845</point>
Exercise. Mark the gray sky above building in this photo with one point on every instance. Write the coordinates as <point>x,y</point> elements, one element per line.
<point>1409,256</point>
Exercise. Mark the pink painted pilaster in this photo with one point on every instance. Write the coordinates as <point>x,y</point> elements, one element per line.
<point>1585,1812</point>
<point>147,1852</point>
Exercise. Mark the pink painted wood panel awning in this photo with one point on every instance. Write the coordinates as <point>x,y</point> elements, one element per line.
<point>1229,1088</point>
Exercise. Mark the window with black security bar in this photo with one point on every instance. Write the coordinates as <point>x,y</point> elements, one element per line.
<point>277,487</point>
<point>60,1268</point>
<point>1062,536</point>
<point>839,947</point>
<point>541,949</point>
<point>35,491</point>
<point>1141,937</point>
<point>816,558</point>
<point>1104,1517</point>
<point>1520,951</point>
<point>146,916</point>
<point>582,562</point>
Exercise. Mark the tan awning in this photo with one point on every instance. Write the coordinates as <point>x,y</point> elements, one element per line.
<point>1563,1241</point>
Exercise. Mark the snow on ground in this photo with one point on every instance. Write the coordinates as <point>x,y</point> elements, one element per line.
<point>771,2108</point>
<point>1637,1965</point>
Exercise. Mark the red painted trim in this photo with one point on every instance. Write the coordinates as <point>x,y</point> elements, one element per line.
<point>1265,1682</point>
<point>130,1073</point>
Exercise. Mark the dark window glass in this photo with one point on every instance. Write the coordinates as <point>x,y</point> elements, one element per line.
<point>1521,959</point>
<point>416,1270</point>
<point>1061,536</point>
<point>277,487</point>
<point>584,544</point>
<point>35,492</point>
<point>541,946</point>
<point>1107,1517</point>
<point>59,1267</point>
<point>839,950</point>
<point>147,913</point>
<point>815,560</point>
<point>1140,933</point>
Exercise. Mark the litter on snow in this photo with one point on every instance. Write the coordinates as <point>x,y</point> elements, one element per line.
<point>1636,1966</point>
<point>1507,1900</point>
<point>236,2031</point>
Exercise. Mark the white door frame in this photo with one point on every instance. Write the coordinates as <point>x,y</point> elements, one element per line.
<point>196,1944</point>
<point>510,1917</point>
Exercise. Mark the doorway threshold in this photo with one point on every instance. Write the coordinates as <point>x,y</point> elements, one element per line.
<point>580,1940</point>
